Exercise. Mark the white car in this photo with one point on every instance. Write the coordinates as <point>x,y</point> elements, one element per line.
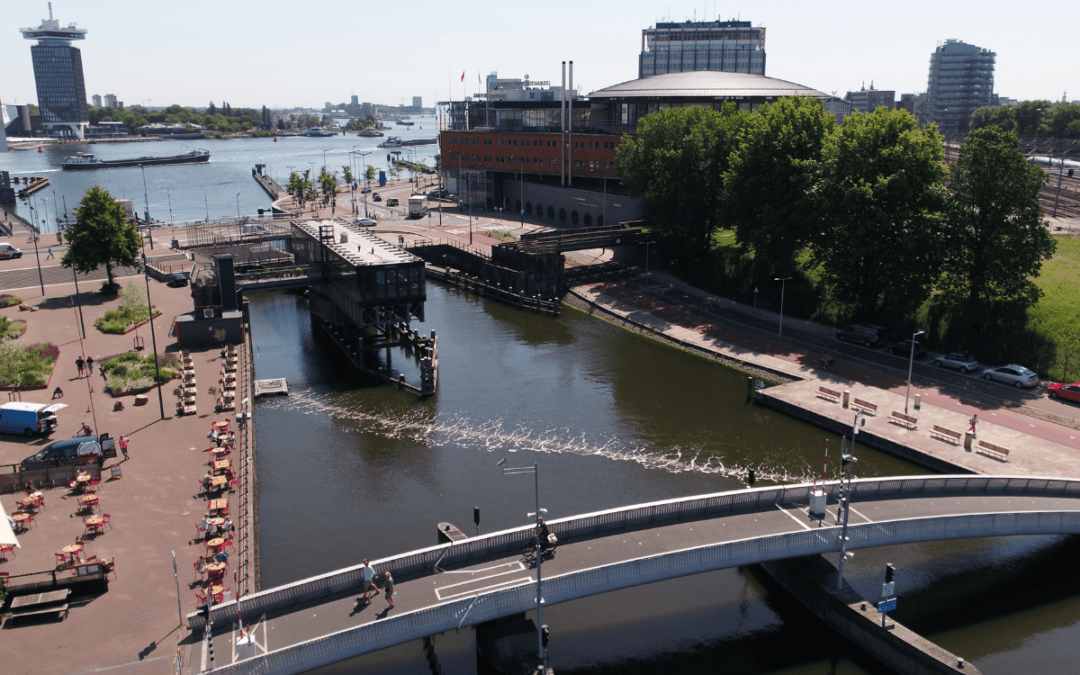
<point>9,251</point>
<point>1018,376</point>
<point>957,361</point>
<point>366,222</point>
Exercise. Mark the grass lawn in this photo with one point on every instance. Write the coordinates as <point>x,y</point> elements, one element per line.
<point>1058,312</point>
<point>132,373</point>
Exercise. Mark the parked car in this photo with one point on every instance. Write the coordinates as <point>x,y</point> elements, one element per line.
<point>23,417</point>
<point>365,190</point>
<point>903,348</point>
<point>76,450</point>
<point>177,280</point>
<point>366,222</point>
<point>1069,392</point>
<point>957,361</point>
<point>376,197</point>
<point>863,333</point>
<point>1018,376</point>
<point>9,251</point>
<point>392,201</point>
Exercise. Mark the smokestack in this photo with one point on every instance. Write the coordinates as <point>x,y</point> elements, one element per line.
<point>570,129</point>
<point>562,128</point>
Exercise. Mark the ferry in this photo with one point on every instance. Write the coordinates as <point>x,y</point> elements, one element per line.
<point>86,161</point>
<point>391,142</point>
<point>317,132</point>
<point>403,123</point>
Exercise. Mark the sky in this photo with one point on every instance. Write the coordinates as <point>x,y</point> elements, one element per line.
<point>288,54</point>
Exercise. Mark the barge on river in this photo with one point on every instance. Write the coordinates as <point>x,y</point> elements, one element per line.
<point>85,161</point>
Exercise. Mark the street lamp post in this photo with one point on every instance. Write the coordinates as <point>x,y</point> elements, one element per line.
<point>911,363</point>
<point>647,244</point>
<point>535,470</point>
<point>37,253</point>
<point>847,460</point>
<point>783,282</point>
<point>237,207</point>
<point>146,201</point>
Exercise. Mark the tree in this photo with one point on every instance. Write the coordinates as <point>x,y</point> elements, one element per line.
<point>100,236</point>
<point>881,196</point>
<point>133,304</point>
<point>677,160</point>
<point>768,190</point>
<point>328,184</point>
<point>996,237</point>
<point>346,174</point>
<point>369,173</point>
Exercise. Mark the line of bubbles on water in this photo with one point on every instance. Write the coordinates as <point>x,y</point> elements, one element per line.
<point>433,429</point>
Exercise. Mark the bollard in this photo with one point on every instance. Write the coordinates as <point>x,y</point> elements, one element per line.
<point>750,477</point>
<point>847,396</point>
<point>918,401</point>
<point>749,388</point>
<point>968,437</point>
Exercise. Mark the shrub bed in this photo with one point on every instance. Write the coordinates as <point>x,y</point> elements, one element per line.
<point>27,367</point>
<point>118,322</point>
<point>132,373</point>
<point>9,300</point>
<point>11,330</point>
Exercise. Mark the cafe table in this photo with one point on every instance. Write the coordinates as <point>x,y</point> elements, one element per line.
<point>218,452</point>
<point>216,569</point>
<point>93,523</point>
<point>72,551</point>
<point>218,481</point>
<point>215,543</point>
<point>27,503</point>
<point>20,518</point>
<point>88,501</point>
<point>217,504</point>
<point>222,464</point>
<point>221,425</point>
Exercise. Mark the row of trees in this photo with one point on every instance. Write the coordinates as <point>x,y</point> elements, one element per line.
<point>222,120</point>
<point>868,209</point>
<point>1049,120</point>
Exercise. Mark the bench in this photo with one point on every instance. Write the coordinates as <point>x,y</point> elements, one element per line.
<point>906,420</point>
<point>829,394</point>
<point>947,434</point>
<point>865,405</point>
<point>53,602</point>
<point>995,451</point>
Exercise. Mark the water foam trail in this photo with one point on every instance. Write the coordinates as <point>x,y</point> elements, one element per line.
<point>431,430</point>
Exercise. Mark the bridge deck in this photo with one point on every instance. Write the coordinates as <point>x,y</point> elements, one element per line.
<point>312,620</point>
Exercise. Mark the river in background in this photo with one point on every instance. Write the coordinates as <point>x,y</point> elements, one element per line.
<point>348,471</point>
<point>222,187</point>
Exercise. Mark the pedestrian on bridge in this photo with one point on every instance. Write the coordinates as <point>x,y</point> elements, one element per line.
<point>369,582</point>
<point>388,586</point>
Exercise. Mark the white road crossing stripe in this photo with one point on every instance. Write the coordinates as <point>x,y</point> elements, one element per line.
<point>477,591</point>
<point>508,568</point>
<point>515,565</point>
<point>805,526</point>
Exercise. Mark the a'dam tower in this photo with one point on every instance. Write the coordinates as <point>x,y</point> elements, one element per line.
<point>58,74</point>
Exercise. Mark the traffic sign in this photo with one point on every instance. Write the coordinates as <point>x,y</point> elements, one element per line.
<point>888,589</point>
<point>886,605</point>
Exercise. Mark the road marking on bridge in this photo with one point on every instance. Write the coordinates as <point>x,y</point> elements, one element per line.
<point>789,515</point>
<point>459,590</point>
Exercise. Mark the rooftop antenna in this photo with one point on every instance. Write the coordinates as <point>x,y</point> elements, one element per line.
<point>50,12</point>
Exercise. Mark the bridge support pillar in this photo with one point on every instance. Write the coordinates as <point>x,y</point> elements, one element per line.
<point>508,646</point>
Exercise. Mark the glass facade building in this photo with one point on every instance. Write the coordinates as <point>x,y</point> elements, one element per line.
<point>961,80</point>
<point>58,74</point>
<point>724,46</point>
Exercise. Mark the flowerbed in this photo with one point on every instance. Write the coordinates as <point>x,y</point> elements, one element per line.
<point>26,367</point>
<point>117,322</point>
<point>11,330</point>
<point>132,373</point>
<point>9,300</point>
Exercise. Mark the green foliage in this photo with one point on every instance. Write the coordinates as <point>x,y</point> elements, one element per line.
<point>118,321</point>
<point>677,160</point>
<point>26,366</point>
<point>346,174</point>
<point>100,236</point>
<point>997,240</point>
<point>9,300</point>
<point>328,184</point>
<point>11,330</point>
<point>1052,120</point>
<point>881,195</point>
<point>132,373</point>
<point>769,188</point>
<point>369,173</point>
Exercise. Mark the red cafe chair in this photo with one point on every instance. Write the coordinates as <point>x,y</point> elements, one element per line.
<point>5,549</point>
<point>106,521</point>
<point>62,561</point>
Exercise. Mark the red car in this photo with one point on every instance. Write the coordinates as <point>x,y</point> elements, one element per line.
<point>1069,392</point>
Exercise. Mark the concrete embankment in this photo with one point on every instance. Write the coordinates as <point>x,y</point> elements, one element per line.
<point>812,581</point>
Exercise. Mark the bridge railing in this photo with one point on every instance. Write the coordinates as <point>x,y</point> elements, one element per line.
<point>414,625</point>
<point>633,517</point>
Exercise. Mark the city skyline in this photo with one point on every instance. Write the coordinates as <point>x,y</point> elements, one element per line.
<point>278,57</point>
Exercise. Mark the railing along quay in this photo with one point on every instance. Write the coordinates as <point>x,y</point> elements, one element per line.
<point>483,289</point>
<point>649,515</point>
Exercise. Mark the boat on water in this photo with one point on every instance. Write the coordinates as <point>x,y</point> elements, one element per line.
<point>317,132</point>
<point>391,142</point>
<point>86,161</point>
<point>419,141</point>
<point>403,123</point>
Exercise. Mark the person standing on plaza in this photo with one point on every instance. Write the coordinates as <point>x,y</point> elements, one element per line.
<point>50,254</point>
<point>369,581</point>
<point>388,586</point>
<point>973,421</point>
<point>90,364</point>
<point>123,447</point>
<point>81,365</point>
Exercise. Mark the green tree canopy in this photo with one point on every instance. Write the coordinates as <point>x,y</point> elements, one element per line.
<point>346,174</point>
<point>768,190</point>
<point>996,237</point>
<point>369,173</point>
<point>677,160</point>
<point>881,196</point>
<point>100,236</point>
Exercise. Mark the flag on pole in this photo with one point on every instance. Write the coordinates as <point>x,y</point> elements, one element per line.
<point>463,76</point>
<point>479,82</point>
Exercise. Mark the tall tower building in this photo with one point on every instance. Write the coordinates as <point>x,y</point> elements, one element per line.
<point>418,101</point>
<point>961,80</point>
<point>727,46</point>
<point>58,73</point>
<point>96,100</point>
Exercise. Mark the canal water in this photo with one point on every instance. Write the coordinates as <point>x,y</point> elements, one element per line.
<point>348,471</point>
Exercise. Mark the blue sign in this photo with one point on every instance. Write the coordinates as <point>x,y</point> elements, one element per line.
<point>886,605</point>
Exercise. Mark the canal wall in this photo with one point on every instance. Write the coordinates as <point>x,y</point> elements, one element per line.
<point>812,581</point>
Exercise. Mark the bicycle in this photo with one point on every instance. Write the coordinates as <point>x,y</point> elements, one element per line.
<point>529,550</point>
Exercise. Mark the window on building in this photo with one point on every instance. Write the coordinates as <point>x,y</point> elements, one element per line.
<point>513,160</point>
<point>588,220</point>
<point>553,162</point>
<point>551,213</point>
<point>453,139</point>
<point>600,221</point>
<point>537,160</point>
<point>562,215</point>
<point>498,141</point>
<point>499,160</point>
<point>578,163</point>
<point>476,158</point>
<point>476,141</point>
<point>453,157</point>
<point>553,144</point>
<point>513,141</point>
<point>487,158</point>
<point>538,143</point>
<point>609,165</point>
<point>487,141</point>
<point>609,145</point>
<point>594,164</point>
<point>539,210</point>
<point>574,217</point>
<point>594,145</point>
<point>528,208</point>
<point>579,144</point>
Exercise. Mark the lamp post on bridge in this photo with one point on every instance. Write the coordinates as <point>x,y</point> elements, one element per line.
<point>535,470</point>
<point>847,459</point>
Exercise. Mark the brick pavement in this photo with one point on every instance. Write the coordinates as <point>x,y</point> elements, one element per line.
<point>154,506</point>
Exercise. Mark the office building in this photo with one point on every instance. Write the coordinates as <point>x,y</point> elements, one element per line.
<point>110,100</point>
<point>58,74</point>
<point>418,102</point>
<point>961,80</point>
<point>725,46</point>
<point>869,100</point>
<point>96,100</point>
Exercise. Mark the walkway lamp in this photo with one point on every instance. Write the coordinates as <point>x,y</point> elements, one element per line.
<point>846,460</point>
<point>535,471</point>
<point>783,282</point>
<point>911,363</point>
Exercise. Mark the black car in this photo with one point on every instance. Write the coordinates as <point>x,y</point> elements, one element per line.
<point>69,451</point>
<point>903,348</point>
<point>177,280</point>
<point>862,333</point>
<point>376,197</point>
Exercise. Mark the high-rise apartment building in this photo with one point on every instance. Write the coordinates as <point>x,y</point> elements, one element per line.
<point>58,74</point>
<point>110,101</point>
<point>961,80</point>
<point>96,100</point>
<point>726,46</point>
<point>418,101</point>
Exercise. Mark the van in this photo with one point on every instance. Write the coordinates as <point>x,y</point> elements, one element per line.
<point>76,450</point>
<point>393,201</point>
<point>9,251</point>
<point>29,418</point>
<point>862,333</point>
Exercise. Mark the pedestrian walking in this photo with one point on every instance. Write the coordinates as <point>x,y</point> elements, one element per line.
<point>123,447</point>
<point>81,365</point>
<point>90,364</point>
<point>50,253</point>
<point>388,586</point>
<point>369,582</point>
<point>973,421</point>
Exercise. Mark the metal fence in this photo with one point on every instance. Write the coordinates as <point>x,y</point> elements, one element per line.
<point>415,625</point>
<point>636,517</point>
